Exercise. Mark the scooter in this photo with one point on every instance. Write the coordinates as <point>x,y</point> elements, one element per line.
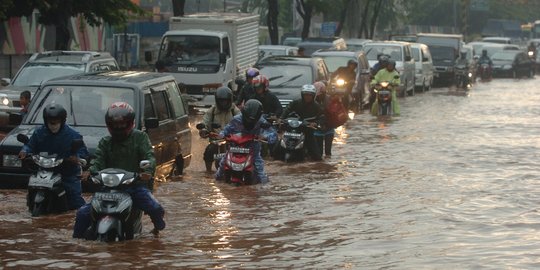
<point>216,147</point>
<point>291,144</point>
<point>463,77</point>
<point>238,163</point>
<point>485,72</point>
<point>113,215</point>
<point>383,92</point>
<point>46,193</point>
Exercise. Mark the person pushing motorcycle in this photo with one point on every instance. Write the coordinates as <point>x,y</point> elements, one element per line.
<point>124,149</point>
<point>389,74</point>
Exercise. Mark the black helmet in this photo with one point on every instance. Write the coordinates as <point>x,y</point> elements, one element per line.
<point>352,62</point>
<point>54,111</point>
<point>120,120</point>
<point>251,113</point>
<point>224,98</point>
<point>392,63</point>
<point>383,60</point>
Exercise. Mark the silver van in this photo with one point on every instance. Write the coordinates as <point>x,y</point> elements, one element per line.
<point>424,66</point>
<point>400,52</point>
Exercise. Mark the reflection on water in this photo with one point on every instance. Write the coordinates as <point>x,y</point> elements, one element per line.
<point>452,183</point>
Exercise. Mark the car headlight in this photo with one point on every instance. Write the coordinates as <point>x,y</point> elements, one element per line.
<point>5,101</point>
<point>11,161</point>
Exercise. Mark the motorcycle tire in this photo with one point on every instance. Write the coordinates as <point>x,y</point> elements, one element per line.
<point>110,236</point>
<point>208,165</point>
<point>38,209</point>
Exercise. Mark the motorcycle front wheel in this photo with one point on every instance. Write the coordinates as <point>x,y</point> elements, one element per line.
<point>109,236</point>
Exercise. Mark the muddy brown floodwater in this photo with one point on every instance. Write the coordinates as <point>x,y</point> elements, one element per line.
<point>452,183</point>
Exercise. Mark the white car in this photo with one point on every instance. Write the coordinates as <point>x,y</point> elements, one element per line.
<point>424,66</point>
<point>273,50</point>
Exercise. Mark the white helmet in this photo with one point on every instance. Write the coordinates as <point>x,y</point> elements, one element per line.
<point>308,89</point>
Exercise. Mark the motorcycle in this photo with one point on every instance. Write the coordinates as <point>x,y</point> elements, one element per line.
<point>291,144</point>
<point>46,193</point>
<point>383,92</point>
<point>238,163</point>
<point>463,77</point>
<point>351,100</point>
<point>216,148</point>
<point>485,72</point>
<point>113,215</point>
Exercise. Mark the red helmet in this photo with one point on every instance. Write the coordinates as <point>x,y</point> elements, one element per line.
<point>261,81</point>
<point>120,120</point>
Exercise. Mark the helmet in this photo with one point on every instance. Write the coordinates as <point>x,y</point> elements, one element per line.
<point>484,52</point>
<point>392,63</point>
<point>120,120</point>
<point>251,113</point>
<point>308,89</point>
<point>383,60</point>
<point>252,73</point>
<point>54,111</point>
<point>352,62</point>
<point>259,81</point>
<point>224,98</point>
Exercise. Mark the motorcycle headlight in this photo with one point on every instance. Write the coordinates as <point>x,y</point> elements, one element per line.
<point>46,162</point>
<point>111,180</point>
<point>293,123</point>
<point>340,82</point>
<point>470,75</point>
<point>530,53</point>
<point>385,84</point>
<point>11,161</point>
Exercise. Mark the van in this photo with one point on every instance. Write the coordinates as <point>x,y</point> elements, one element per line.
<point>311,45</point>
<point>400,52</point>
<point>424,66</point>
<point>160,111</point>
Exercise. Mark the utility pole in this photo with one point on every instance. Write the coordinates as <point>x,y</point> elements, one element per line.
<point>465,4</point>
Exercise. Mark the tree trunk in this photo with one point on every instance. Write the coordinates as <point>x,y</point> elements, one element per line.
<point>342,16</point>
<point>178,7</point>
<point>272,21</point>
<point>305,10</point>
<point>62,35</point>
<point>374,18</point>
<point>363,24</point>
<point>244,7</point>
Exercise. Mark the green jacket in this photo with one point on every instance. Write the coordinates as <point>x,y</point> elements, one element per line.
<point>385,76</point>
<point>124,155</point>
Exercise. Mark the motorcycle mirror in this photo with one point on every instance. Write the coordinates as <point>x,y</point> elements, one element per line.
<point>23,138</point>
<point>216,126</point>
<point>76,145</point>
<point>396,77</point>
<point>144,164</point>
<point>200,126</point>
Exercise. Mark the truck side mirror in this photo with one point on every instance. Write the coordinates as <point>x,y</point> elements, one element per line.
<point>222,58</point>
<point>148,56</point>
<point>5,81</point>
<point>23,138</point>
<point>151,123</point>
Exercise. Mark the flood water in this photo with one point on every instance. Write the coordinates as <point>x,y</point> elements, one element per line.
<point>452,183</point>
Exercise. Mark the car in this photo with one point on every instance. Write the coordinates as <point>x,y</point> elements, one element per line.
<point>311,45</point>
<point>477,46</point>
<point>159,106</point>
<point>269,50</point>
<point>291,41</point>
<point>513,64</point>
<point>498,40</point>
<point>493,48</point>
<point>356,44</point>
<point>287,74</point>
<point>400,52</point>
<point>336,59</point>
<point>43,66</point>
<point>424,66</point>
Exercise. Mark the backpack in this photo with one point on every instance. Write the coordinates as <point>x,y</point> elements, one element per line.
<point>336,113</point>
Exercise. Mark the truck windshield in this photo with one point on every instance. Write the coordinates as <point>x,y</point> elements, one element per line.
<point>190,50</point>
<point>445,54</point>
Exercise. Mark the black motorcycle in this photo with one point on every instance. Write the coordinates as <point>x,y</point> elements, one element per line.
<point>113,215</point>
<point>463,77</point>
<point>46,193</point>
<point>216,148</point>
<point>291,144</point>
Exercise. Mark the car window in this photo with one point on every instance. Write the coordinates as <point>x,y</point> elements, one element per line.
<point>86,105</point>
<point>321,71</point>
<point>175,99</point>
<point>149,111</point>
<point>416,54</point>
<point>161,105</point>
<point>226,49</point>
<point>287,75</point>
<point>103,66</point>
<point>33,74</point>
<point>393,51</point>
<point>426,54</point>
<point>333,62</point>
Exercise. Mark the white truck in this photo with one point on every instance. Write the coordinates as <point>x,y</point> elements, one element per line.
<point>444,50</point>
<point>205,51</point>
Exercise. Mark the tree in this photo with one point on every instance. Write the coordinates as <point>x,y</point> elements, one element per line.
<point>178,7</point>
<point>272,23</point>
<point>59,12</point>
<point>342,17</point>
<point>305,10</point>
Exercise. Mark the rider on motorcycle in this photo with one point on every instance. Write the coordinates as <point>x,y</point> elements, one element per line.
<point>247,92</point>
<point>462,66</point>
<point>307,107</point>
<point>485,59</point>
<point>124,149</point>
<point>250,121</point>
<point>270,103</point>
<point>389,74</point>
<point>221,113</point>
<point>55,137</point>
<point>381,64</point>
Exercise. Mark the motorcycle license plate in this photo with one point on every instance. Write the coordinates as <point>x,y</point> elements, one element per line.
<point>113,197</point>
<point>46,182</point>
<point>219,156</point>
<point>292,134</point>
<point>239,150</point>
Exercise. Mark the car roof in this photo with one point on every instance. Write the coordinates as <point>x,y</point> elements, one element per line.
<point>335,53</point>
<point>112,78</point>
<point>387,42</point>
<point>290,60</point>
<point>418,45</point>
<point>496,38</point>
<point>68,56</point>
<point>268,47</point>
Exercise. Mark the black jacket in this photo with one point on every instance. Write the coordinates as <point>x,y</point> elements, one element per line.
<point>271,104</point>
<point>304,110</point>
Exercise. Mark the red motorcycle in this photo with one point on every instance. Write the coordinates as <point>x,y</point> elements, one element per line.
<point>238,164</point>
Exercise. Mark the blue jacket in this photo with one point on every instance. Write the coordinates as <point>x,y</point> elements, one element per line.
<point>42,140</point>
<point>236,126</point>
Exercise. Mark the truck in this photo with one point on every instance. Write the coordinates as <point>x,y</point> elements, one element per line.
<point>206,51</point>
<point>444,50</point>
